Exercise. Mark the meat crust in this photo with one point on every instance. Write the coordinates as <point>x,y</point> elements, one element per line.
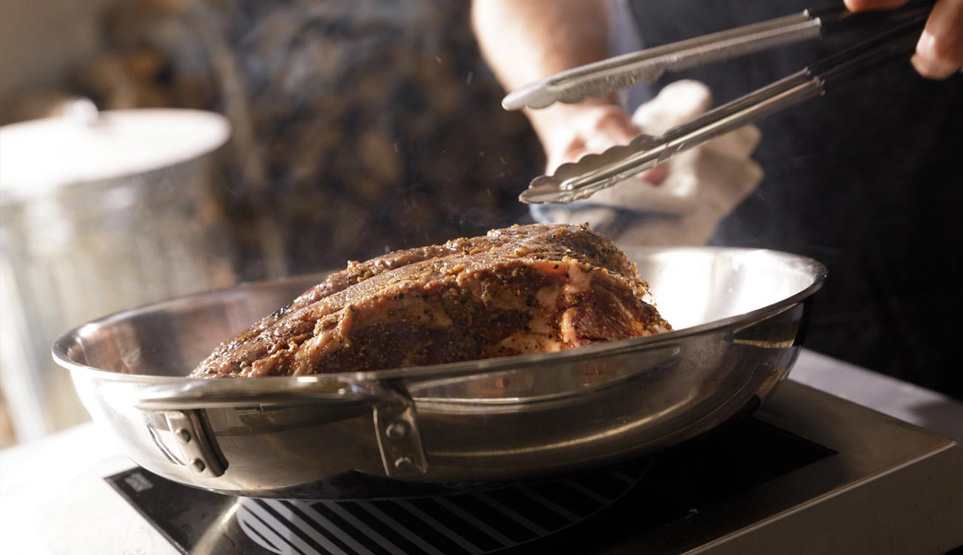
<point>523,289</point>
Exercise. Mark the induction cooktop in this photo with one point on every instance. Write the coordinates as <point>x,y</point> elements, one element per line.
<point>808,472</point>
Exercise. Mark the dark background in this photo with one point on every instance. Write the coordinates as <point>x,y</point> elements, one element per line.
<point>868,180</point>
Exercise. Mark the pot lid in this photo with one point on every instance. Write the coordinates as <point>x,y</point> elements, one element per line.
<point>86,146</point>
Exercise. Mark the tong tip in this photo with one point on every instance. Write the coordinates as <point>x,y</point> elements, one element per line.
<point>593,172</point>
<point>534,96</point>
<point>544,190</point>
<point>593,80</point>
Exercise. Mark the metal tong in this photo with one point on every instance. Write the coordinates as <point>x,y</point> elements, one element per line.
<point>594,172</point>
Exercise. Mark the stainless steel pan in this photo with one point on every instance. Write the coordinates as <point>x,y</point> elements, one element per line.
<point>740,316</point>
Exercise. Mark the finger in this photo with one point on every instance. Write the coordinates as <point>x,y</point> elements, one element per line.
<point>615,128</point>
<point>619,131</point>
<point>563,154</point>
<point>939,53</point>
<point>870,5</point>
<point>656,175</point>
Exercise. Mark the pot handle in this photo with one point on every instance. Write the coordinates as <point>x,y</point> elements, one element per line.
<point>185,439</point>
<point>176,417</point>
<point>233,392</point>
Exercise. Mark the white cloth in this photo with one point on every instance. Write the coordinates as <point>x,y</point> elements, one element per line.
<point>703,184</point>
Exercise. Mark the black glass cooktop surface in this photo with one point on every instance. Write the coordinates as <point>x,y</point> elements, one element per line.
<point>578,513</point>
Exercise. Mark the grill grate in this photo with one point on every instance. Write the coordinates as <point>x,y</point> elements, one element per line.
<point>471,522</point>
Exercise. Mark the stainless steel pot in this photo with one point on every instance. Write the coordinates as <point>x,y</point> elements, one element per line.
<point>740,316</point>
<point>99,212</point>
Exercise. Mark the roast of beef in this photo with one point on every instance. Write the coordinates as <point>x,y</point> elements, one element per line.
<point>523,289</point>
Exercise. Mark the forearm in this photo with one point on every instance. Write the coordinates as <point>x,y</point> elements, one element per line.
<point>525,40</point>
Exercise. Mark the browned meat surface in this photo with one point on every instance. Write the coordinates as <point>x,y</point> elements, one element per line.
<point>518,290</point>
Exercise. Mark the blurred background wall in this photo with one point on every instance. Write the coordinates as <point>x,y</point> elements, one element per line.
<point>40,42</point>
<point>358,127</point>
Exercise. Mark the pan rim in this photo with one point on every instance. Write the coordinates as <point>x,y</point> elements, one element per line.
<point>60,350</point>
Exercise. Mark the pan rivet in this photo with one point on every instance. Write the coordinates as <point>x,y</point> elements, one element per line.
<point>396,431</point>
<point>198,465</point>
<point>402,462</point>
<point>183,435</point>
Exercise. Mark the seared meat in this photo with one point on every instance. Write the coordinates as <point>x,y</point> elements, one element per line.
<point>523,289</point>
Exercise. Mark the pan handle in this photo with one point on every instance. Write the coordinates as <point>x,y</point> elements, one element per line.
<point>178,418</point>
<point>234,392</point>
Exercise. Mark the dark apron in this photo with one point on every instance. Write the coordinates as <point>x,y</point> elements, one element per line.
<point>868,179</point>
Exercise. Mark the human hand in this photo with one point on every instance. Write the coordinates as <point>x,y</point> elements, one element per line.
<point>589,127</point>
<point>699,186</point>
<point>939,52</point>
